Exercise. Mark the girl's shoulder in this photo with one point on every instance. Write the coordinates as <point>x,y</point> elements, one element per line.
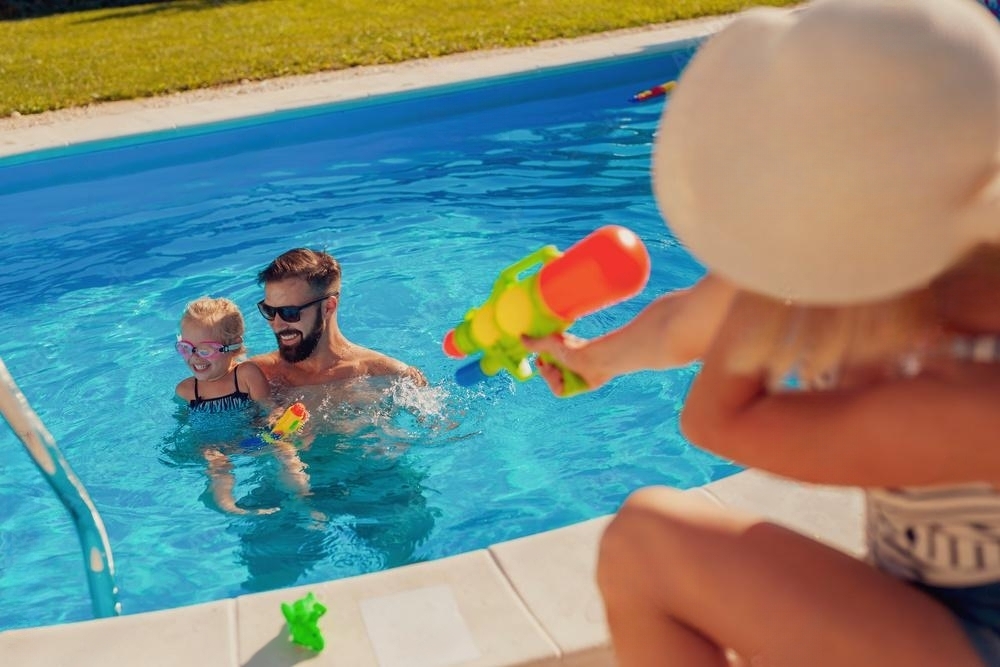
<point>185,389</point>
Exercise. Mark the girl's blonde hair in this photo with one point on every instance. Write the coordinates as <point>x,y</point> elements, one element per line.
<point>813,345</point>
<point>220,315</point>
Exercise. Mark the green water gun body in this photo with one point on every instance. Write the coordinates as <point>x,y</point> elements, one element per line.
<point>606,267</point>
<point>289,423</point>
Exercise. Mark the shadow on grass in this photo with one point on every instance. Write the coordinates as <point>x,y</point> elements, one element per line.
<point>25,9</point>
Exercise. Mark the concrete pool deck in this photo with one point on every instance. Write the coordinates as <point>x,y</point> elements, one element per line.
<point>530,601</point>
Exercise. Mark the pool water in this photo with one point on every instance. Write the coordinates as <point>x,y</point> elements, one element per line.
<point>424,198</point>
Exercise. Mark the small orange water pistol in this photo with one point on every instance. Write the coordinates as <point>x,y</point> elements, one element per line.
<point>293,418</point>
<point>288,423</point>
<point>608,266</point>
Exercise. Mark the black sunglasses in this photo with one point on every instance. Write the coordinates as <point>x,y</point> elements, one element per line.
<point>289,313</point>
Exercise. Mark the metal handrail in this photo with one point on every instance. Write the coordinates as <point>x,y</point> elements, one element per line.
<point>56,470</point>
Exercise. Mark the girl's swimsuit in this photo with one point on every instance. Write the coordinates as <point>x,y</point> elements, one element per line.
<point>238,400</point>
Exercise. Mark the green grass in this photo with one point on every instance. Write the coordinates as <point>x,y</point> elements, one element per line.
<point>111,54</point>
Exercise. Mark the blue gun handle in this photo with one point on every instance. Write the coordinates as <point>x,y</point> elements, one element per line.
<point>470,374</point>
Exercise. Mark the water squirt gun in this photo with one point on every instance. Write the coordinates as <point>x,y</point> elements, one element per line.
<point>606,267</point>
<point>288,423</point>
<point>293,418</point>
<point>654,92</point>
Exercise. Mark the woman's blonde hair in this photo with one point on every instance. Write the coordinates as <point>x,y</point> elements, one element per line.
<point>220,315</point>
<point>813,344</point>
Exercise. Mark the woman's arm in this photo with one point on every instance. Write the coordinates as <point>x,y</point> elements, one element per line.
<point>672,331</point>
<point>926,430</point>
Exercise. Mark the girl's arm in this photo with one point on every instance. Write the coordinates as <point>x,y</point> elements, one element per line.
<point>921,431</point>
<point>674,330</point>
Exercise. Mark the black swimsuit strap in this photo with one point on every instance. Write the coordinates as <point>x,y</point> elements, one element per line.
<point>236,384</point>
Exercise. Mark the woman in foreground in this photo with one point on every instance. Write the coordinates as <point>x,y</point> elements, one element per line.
<point>837,169</point>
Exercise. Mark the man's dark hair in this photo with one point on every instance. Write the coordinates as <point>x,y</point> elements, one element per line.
<point>316,267</point>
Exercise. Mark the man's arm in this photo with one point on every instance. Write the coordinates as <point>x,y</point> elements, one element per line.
<point>381,364</point>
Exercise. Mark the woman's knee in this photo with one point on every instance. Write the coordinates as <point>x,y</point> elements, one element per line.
<point>660,528</point>
<point>663,511</point>
<point>648,521</point>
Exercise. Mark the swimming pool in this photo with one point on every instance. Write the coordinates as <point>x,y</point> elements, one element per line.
<point>424,197</point>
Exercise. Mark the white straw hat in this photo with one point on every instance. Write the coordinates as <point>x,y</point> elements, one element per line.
<point>843,152</point>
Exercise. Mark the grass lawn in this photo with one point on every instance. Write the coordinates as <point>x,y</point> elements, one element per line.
<point>80,58</point>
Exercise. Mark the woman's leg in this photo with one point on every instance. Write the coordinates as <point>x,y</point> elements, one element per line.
<point>683,580</point>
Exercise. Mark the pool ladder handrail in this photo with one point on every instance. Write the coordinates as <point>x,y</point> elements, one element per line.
<point>49,459</point>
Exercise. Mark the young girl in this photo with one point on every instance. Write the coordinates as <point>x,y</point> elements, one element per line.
<point>211,343</point>
<point>837,169</point>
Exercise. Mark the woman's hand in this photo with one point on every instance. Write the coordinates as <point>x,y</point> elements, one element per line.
<point>672,331</point>
<point>565,351</point>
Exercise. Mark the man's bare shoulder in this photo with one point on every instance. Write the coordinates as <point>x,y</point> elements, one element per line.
<point>269,363</point>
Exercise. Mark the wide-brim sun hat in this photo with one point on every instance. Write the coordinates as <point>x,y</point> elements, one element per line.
<point>843,152</point>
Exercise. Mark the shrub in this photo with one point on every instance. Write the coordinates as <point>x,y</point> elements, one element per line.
<point>24,9</point>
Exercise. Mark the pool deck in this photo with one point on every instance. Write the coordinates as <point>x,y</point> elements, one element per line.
<point>530,601</point>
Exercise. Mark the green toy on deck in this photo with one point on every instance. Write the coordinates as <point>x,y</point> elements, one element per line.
<point>303,621</point>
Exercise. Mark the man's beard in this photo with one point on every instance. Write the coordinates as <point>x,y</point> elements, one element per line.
<point>302,350</point>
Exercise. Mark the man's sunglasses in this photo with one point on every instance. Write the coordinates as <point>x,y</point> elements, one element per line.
<point>289,313</point>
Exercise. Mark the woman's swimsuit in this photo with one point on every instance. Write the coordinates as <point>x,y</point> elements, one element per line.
<point>238,400</point>
<point>945,540</point>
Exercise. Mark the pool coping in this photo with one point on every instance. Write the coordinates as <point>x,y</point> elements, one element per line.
<point>67,127</point>
<point>530,601</point>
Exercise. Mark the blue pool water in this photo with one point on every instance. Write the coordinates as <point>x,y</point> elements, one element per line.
<point>424,197</point>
